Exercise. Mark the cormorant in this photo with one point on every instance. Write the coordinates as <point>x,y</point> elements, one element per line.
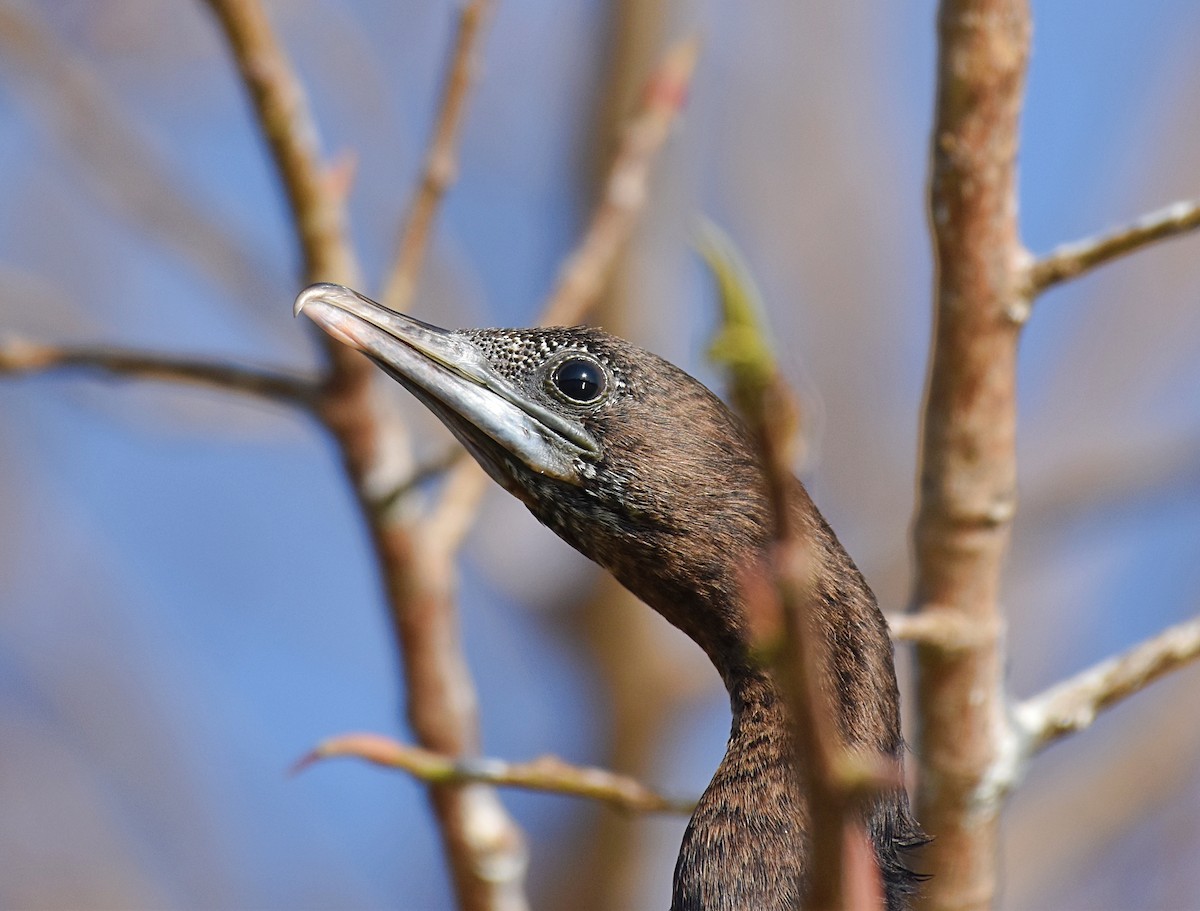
<point>639,467</point>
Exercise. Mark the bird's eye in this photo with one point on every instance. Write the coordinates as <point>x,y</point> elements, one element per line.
<point>580,379</point>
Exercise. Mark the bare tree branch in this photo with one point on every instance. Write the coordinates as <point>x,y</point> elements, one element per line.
<point>441,166</point>
<point>968,465</point>
<point>546,773</point>
<point>288,126</point>
<point>583,274</point>
<point>837,781</point>
<point>1073,705</point>
<point>969,746</point>
<point>1075,259</point>
<point>18,356</point>
<point>485,848</point>
<point>450,519</point>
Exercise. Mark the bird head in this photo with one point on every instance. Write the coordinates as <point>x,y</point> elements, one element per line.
<point>628,458</point>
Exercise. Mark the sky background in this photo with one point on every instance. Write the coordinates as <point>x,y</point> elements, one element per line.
<point>187,601</point>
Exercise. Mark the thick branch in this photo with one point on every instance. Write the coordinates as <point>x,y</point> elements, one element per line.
<point>18,356</point>
<point>441,165</point>
<point>1078,258</point>
<point>968,467</point>
<point>546,773</point>
<point>625,190</point>
<point>485,848</point>
<point>1073,705</point>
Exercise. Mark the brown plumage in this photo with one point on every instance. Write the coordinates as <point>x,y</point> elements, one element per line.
<point>642,469</point>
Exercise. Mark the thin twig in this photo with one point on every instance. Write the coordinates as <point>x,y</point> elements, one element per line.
<point>18,356</point>
<point>451,517</point>
<point>836,782</point>
<point>968,451</point>
<point>546,773</point>
<point>1073,705</point>
<point>582,277</point>
<point>441,165</point>
<point>1074,259</point>
<point>741,343</point>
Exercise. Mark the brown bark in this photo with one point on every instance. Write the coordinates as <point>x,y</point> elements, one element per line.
<point>968,468</point>
<point>484,847</point>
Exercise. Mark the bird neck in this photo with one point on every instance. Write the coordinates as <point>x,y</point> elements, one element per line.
<point>755,788</point>
<point>700,572</point>
<point>747,842</point>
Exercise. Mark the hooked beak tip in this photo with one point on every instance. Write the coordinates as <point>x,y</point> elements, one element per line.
<point>334,308</point>
<point>321,291</point>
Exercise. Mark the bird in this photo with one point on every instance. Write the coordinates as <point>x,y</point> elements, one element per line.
<point>641,468</point>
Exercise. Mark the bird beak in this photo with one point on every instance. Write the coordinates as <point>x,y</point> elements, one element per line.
<point>451,376</point>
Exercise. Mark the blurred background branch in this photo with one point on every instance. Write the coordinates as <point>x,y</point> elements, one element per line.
<point>18,356</point>
<point>582,277</point>
<point>546,773</point>
<point>441,159</point>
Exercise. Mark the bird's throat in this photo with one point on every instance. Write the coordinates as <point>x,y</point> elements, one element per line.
<point>755,788</point>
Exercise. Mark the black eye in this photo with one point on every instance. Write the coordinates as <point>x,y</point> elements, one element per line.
<point>579,379</point>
